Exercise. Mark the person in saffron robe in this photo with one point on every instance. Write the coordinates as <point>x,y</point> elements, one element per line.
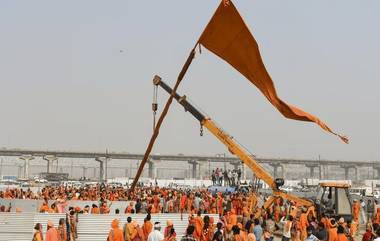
<point>341,234</point>
<point>115,234</point>
<point>356,210</point>
<point>62,233</point>
<point>198,221</point>
<point>376,218</point>
<point>147,227</point>
<point>168,228</point>
<point>332,231</point>
<point>52,233</point>
<point>95,209</point>
<point>304,223</point>
<point>38,236</point>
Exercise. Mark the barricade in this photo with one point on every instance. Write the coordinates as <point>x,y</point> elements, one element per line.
<point>16,226</point>
<point>94,227</point>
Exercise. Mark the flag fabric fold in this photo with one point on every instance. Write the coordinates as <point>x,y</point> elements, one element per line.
<point>227,36</point>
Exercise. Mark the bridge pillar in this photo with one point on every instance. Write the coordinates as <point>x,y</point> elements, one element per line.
<point>194,169</point>
<point>101,161</point>
<point>275,170</point>
<point>26,159</point>
<point>152,168</point>
<point>236,164</point>
<point>49,159</point>
<point>312,169</point>
<point>347,171</point>
<point>84,172</point>
<point>201,168</point>
<point>321,171</point>
<point>377,168</point>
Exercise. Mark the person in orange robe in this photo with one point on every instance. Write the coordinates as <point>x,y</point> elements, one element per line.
<point>52,233</point>
<point>236,233</point>
<point>198,221</point>
<point>276,213</point>
<point>341,236</point>
<point>115,234</point>
<point>332,231</point>
<point>232,217</point>
<point>129,208</point>
<point>62,233</point>
<point>147,227</point>
<point>183,203</point>
<point>325,221</point>
<point>376,218</point>
<point>353,227</point>
<point>105,209</point>
<point>95,209</point>
<point>219,204</point>
<point>44,207</point>
<point>304,223</point>
<point>243,233</point>
<point>356,210</point>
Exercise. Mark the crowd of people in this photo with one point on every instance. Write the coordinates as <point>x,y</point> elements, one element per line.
<point>242,216</point>
<point>226,177</point>
<point>284,219</point>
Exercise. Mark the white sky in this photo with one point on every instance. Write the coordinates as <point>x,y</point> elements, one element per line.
<point>65,84</point>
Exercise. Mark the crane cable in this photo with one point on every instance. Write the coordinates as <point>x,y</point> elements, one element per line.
<point>154,105</point>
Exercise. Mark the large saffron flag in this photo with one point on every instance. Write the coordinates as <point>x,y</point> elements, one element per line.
<point>227,36</point>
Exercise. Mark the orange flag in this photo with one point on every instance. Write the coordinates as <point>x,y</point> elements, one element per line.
<point>227,36</point>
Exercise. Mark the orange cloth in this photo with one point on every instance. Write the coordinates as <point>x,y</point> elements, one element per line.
<point>147,228</point>
<point>44,208</point>
<point>52,235</point>
<point>232,219</point>
<point>342,237</point>
<point>303,225</point>
<point>356,211</point>
<point>333,235</point>
<point>354,229</point>
<point>130,231</point>
<point>198,227</point>
<point>95,211</point>
<point>326,222</point>
<point>227,36</point>
<point>115,234</point>
<point>376,219</point>
<point>243,235</point>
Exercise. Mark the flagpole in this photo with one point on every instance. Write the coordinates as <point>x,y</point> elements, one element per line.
<point>162,116</point>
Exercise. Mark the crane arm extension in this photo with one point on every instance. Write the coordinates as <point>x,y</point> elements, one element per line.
<point>238,151</point>
<point>233,147</point>
<point>298,200</point>
<point>226,139</point>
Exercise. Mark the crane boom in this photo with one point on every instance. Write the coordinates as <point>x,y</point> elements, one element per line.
<point>232,146</point>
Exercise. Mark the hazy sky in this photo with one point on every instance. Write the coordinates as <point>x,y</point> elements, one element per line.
<point>76,75</point>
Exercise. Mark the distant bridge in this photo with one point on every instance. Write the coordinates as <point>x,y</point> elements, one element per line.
<point>276,163</point>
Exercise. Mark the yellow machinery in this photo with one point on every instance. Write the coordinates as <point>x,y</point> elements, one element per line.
<point>236,150</point>
<point>333,199</point>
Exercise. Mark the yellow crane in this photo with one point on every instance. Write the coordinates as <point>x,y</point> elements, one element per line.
<point>235,149</point>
